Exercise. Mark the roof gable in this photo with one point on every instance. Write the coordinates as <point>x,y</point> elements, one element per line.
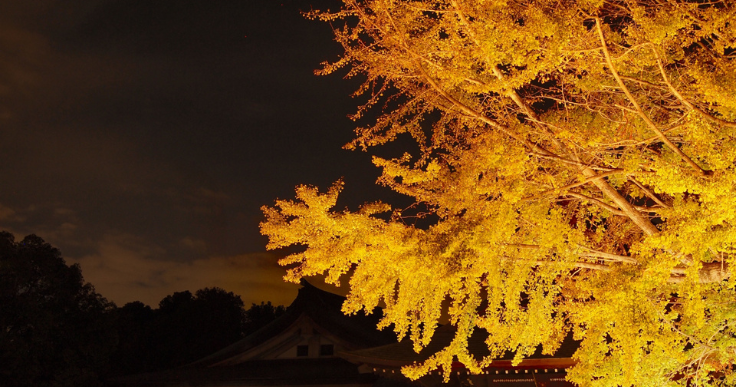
<point>313,319</point>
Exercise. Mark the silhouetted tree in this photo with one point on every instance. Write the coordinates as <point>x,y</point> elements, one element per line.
<point>54,329</point>
<point>189,327</point>
<point>222,316</point>
<point>133,322</point>
<point>184,328</point>
<point>259,316</point>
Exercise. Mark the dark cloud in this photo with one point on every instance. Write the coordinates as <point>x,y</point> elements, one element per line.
<point>141,137</point>
<point>129,268</point>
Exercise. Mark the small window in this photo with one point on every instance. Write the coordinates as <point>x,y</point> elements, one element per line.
<point>326,350</point>
<point>302,350</point>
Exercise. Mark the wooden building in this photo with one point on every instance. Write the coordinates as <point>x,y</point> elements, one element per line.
<point>313,344</point>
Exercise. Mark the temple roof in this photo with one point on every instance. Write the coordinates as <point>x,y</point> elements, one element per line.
<point>321,309</point>
<point>357,331</point>
<point>360,342</point>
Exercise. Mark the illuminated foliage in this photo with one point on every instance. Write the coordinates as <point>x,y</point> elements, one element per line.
<point>579,156</point>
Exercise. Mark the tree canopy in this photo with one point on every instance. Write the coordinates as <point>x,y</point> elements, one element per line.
<point>54,327</point>
<point>189,327</point>
<point>186,327</point>
<point>55,330</point>
<point>578,160</point>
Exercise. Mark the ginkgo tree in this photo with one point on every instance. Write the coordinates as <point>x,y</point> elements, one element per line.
<point>579,161</point>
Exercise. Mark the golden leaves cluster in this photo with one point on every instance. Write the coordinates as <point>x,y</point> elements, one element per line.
<point>578,158</point>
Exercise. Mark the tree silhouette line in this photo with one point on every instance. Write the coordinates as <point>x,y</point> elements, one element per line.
<point>56,330</point>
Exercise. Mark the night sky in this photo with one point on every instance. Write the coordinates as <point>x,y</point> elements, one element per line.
<point>142,137</point>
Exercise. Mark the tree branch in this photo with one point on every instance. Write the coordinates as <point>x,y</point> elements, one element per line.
<point>598,202</point>
<point>582,265</point>
<point>621,202</point>
<point>641,81</point>
<point>638,108</point>
<point>648,192</point>
<point>573,185</point>
<point>573,162</point>
<point>709,273</point>
<point>510,92</point>
<point>613,257</point>
<point>590,253</point>
<point>682,99</point>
